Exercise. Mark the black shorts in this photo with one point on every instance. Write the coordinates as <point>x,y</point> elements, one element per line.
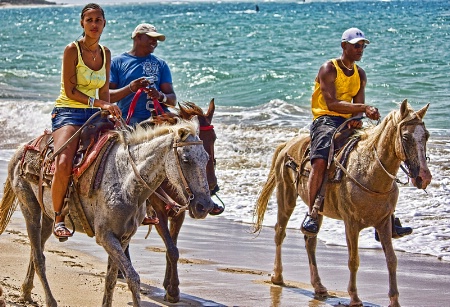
<point>322,130</point>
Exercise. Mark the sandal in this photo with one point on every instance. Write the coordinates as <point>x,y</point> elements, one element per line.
<point>150,220</point>
<point>61,231</point>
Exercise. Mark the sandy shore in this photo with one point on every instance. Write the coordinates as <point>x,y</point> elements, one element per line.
<point>221,264</point>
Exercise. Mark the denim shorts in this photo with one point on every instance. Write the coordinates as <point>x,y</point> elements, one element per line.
<point>71,116</point>
<point>322,130</point>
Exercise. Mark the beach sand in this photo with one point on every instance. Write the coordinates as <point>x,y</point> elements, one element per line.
<point>221,264</point>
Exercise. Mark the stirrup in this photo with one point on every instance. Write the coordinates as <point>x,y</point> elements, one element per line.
<point>61,227</point>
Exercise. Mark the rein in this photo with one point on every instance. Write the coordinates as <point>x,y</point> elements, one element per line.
<point>332,157</point>
<point>165,197</point>
<point>394,178</point>
<point>158,109</point>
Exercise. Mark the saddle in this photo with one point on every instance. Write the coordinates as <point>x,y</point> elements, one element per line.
<point>37,164</point>
<point>343,144</point>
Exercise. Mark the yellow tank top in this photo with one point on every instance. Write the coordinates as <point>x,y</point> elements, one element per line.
<point>346,89</point>
<point>88,81</point>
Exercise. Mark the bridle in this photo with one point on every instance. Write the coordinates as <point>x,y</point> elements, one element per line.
<point>187,189</point>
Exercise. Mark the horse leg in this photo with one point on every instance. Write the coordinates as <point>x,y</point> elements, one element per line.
<point>385,234</point>
<point>286,199</point>
<point>37,234</point>
<point>310,245</point>
<point>171,280</point>
<point>118,258</point>
<point>352,234</point>
<point>110,282</point>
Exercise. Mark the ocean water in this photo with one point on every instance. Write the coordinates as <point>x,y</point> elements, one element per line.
<point>260,69</point>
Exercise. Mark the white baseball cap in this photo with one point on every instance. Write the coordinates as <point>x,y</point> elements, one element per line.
<point>354,35</point>
<point>150,30</point>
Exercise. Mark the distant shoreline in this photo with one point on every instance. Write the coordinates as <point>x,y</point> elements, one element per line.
<point>9,3</point>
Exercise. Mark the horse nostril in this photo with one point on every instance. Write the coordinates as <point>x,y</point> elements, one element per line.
<point>199,207</point>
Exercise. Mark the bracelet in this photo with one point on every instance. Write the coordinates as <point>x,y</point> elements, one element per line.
<point>164,97</point>
<point>129,86</point>
<point>91,101</point>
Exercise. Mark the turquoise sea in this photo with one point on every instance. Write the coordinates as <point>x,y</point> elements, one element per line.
<point>260,68</point>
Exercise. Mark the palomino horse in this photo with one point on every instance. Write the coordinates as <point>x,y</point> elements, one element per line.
<point>163,206</point>
<point>135,166</point>
<point>366,196</point>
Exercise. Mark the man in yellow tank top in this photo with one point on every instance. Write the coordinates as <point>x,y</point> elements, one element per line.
<point>339,94</point>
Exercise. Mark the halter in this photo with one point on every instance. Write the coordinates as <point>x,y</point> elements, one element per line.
<point>180,172</point>
<point>206,128</point>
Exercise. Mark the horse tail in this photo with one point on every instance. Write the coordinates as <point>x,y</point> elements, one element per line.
<point>8,205</point>
<point>266,192</point>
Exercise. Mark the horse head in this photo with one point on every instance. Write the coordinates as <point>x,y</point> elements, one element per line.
<point>186,169</point>
<point>410,144</point>
<point>207,135</point>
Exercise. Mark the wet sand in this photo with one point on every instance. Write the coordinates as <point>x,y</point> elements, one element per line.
<point>221,264</point>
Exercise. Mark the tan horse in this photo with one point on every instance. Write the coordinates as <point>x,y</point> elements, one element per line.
<point>365,197</point>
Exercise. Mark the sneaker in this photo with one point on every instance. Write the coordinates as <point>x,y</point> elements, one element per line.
<point>310,226</point>
<point>217,210</point>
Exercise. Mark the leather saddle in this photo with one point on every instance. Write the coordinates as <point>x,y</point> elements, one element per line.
<point>343,144</point>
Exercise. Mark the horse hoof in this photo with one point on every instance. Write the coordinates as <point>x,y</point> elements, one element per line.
<point>277,281</point>
<point>321,291</point>
<point>171,299</point>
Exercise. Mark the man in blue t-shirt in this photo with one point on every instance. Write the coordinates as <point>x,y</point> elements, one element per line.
<point>133,70</point>
<point>137,68</point>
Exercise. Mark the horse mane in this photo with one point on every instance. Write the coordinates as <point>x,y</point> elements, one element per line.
<point>372,134</point>
<point>145,133</point>
<point>192,109</point>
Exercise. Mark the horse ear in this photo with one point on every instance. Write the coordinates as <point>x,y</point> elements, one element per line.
<point>421,112</point>
<point>210,113</point>
<point>183,113</point>
<point>404,108</point>
<point>197,123</point>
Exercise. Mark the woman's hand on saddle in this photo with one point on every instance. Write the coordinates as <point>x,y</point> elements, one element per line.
<point>112,108</point>
<point>372,113</point>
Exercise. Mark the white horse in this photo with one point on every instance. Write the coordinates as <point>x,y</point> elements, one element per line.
<point>135,166</point>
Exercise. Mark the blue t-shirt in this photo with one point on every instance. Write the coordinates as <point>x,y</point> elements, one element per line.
<point>126,68</point>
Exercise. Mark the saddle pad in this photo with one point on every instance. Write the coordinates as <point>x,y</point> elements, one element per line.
<point>94,153</point>
<point>87,177</point>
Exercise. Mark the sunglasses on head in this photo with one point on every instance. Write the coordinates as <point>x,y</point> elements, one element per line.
<point>357,46</point>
